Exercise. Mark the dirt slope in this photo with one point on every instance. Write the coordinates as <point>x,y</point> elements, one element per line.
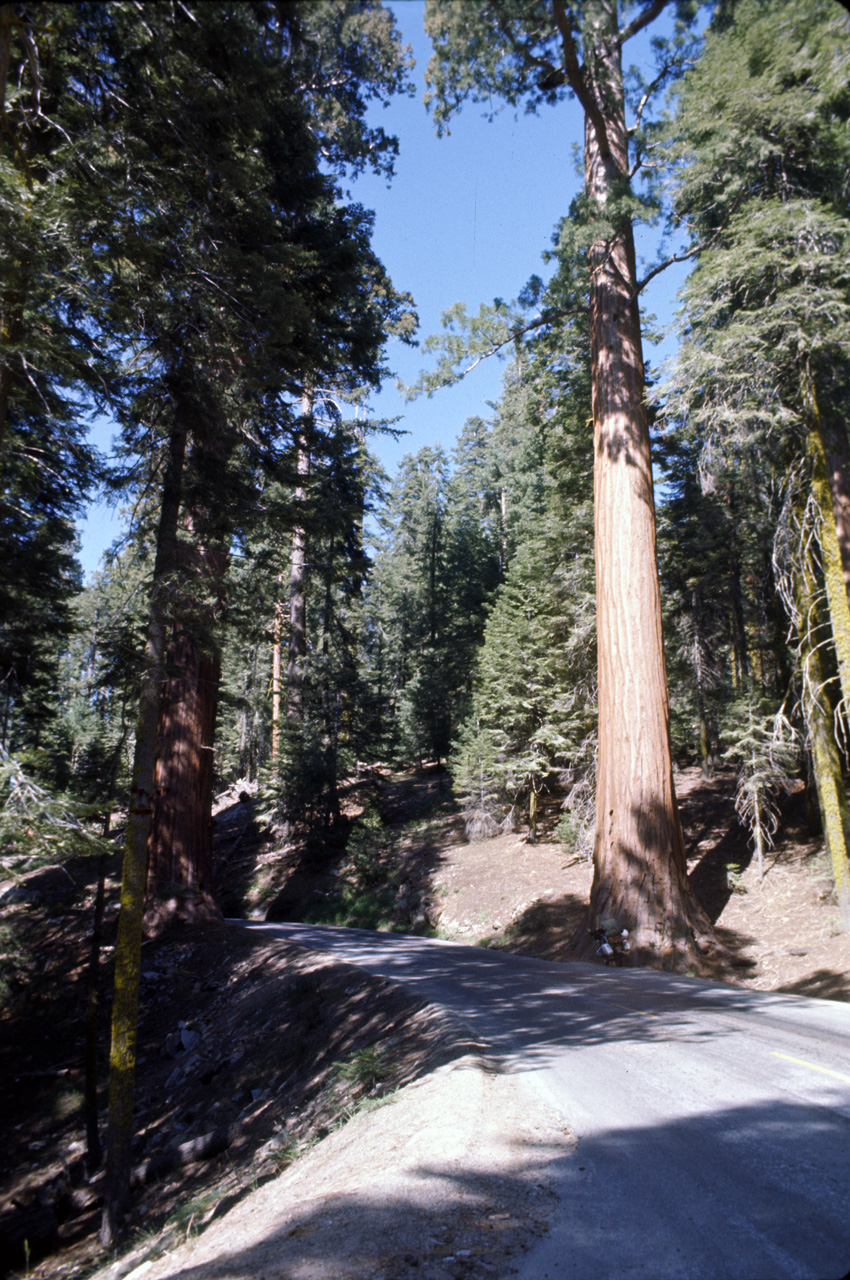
<point>271,1050</point>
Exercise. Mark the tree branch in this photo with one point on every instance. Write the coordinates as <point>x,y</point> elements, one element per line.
<point>691,253</point>
<point>669,262</point>
<point>495,347</point>
<point>642,20</point>
<point>576,78</point>
<point>648,92</point>
<point>526,52</point>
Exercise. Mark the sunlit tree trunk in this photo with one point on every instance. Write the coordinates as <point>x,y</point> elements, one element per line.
<point>640,875</point>
<point>836,447</point>
<point>827,484</point>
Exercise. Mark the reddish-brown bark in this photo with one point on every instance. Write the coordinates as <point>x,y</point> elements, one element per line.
<point>180,865</point>
<point>639,858</point>
<point>180,870</point>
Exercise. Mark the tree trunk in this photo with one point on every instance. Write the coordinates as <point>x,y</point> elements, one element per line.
<point>640,875</point>
<point>94,1152</point>
<point>277,629</point>
<point>180,875</point>
<point>128,947</point>
<point>837,462</point>
<point>829,539</point>
<point>818,710</point>
<point>298,573</point>
<point>180,868</point>
<point>330,693</point>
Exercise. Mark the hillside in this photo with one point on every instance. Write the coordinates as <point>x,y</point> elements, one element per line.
<point>253,1052</point>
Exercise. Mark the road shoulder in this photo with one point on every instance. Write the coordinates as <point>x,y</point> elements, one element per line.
<point>451,1177</point>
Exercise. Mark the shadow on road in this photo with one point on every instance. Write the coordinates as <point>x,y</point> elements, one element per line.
<point>743,1192</point>
<point>525,1008</point>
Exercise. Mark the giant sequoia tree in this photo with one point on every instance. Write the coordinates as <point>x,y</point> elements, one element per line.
<point>533,52</point>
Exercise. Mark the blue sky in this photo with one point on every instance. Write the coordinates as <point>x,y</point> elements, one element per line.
<point>466,218</point>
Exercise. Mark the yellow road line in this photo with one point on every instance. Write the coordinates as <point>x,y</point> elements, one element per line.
<point>827,1071</point>
<point>630,1010</point>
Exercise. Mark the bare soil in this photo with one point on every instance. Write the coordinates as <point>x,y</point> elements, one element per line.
<point>278,1052</point>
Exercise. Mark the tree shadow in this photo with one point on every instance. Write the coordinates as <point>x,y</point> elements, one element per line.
<point>715,840</point>
<point>824,984</point>
<point>523,1007</point>
<point>236,846</point>
<point>760,1190</point>
<point>543,929</point>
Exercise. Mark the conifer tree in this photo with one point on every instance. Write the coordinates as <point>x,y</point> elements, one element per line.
<point>244,272</point>
<point>763,368</point>
<point>533,704</point>
<point>535,54</point>
<point>51,362</point>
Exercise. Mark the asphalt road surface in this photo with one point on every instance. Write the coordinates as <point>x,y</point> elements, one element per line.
<point>713,1122</point>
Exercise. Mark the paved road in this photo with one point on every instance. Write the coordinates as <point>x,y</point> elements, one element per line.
<point>713,1122</point>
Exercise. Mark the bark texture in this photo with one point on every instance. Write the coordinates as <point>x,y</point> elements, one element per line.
<point>180,862</point>
<point>837,463</point>
<point>640,875</point>
<point>180,870</point>
<point>829,492</point>
<point>277,631</point>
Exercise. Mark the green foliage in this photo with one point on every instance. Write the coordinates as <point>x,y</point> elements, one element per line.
<point>345,57</point>
<point>366,841</point>
<point>39,826</point>
<point>437,562</point>
<point>365,897</point>
<point>761,139</point>
<point>762,122</point>
<point>474,781</point>
<point>364,1069</point>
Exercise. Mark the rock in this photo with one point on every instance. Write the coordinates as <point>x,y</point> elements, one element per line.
<point>173,1045</point>
<point>188,1037</point>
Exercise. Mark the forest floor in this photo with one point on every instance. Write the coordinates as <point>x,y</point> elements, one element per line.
<point>252,1053</point>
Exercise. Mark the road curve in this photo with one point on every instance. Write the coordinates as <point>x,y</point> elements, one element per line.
<point>713,1122</point>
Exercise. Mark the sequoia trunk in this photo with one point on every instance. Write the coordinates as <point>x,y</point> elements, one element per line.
<point>640,875</point>
<point>180,870</point>
<point>180,879</point>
